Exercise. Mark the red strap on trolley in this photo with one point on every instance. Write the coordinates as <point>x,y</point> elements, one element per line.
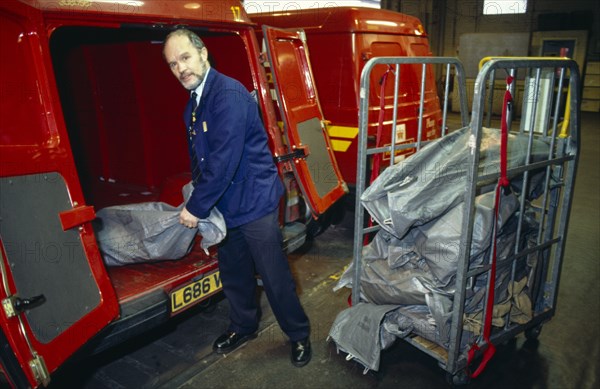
<point>377,157</point>
<point>503,182</point>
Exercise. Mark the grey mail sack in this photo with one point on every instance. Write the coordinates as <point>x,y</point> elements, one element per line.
<point>146,232</point>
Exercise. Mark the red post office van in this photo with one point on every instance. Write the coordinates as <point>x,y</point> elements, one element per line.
<point>341,40</point>
<point>91,116</point>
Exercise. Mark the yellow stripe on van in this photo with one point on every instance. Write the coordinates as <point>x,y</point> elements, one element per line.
<point>340,145</point>
<point>342,132</point>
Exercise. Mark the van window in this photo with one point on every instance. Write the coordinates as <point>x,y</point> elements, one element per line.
<point>22,117</point>
<point>419,50</point>
<point>409,89</point>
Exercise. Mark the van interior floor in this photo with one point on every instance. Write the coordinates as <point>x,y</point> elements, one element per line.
<point>130,282</point>
<point>179,354</point>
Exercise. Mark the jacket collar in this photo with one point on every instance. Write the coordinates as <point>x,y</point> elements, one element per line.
<point>208,81</point>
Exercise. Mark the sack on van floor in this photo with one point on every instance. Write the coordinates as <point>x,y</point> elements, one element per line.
<point>150,231</point>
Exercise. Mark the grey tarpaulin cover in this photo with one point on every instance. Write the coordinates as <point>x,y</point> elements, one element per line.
<point>151,231</point>
<point>433,180</point>
<point>412,262</point>
<point>359,329</point>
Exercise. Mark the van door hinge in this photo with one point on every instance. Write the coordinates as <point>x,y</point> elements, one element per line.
<point>302,36</point>
<point>9,307</point>
<point>263,59</point>
<point>39,369</point>
<point>14,305</point>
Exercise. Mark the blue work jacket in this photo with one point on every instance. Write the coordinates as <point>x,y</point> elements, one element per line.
<point>238,174</point>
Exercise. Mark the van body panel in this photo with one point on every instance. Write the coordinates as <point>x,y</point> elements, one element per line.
<point>222,11</point>
<point>344,20</point>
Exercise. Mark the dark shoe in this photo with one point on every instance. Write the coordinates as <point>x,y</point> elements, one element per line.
<point>301,352</point>
<point>229,341</point>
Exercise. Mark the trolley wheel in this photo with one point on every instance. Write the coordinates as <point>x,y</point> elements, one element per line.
<point>534,332</point>
<point>461,378</point>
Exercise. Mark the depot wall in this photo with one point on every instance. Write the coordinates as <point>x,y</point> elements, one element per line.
<point>448,20</point>
<point>458,28</point>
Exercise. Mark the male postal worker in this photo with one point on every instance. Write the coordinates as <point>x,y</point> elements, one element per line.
<point>233,170</point>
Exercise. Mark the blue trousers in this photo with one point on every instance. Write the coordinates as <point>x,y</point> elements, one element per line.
<point>256,247</point>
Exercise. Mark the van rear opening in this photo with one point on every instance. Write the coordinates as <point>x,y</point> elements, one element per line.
<point>123,112</point>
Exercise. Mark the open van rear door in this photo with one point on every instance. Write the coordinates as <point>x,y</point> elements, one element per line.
<point>54,289</point>
<point>304,126</point>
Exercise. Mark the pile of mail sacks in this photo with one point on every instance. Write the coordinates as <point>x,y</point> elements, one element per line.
<point>408,270</point>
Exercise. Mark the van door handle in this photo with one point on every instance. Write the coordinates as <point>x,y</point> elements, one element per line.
<point>14,305</point>
<point>76,216</point>
<point>28,303</point>
<point>296,154</point>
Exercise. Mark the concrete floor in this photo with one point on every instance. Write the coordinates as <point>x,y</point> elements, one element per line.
<point>566,355</point>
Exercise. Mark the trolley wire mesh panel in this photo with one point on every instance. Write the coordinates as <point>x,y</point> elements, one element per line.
<point>469,232</point>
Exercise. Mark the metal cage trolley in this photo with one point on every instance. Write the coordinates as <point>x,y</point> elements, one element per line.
<point>507,284</point>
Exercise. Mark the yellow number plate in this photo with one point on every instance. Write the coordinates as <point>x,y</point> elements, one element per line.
<point>195,292</point>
